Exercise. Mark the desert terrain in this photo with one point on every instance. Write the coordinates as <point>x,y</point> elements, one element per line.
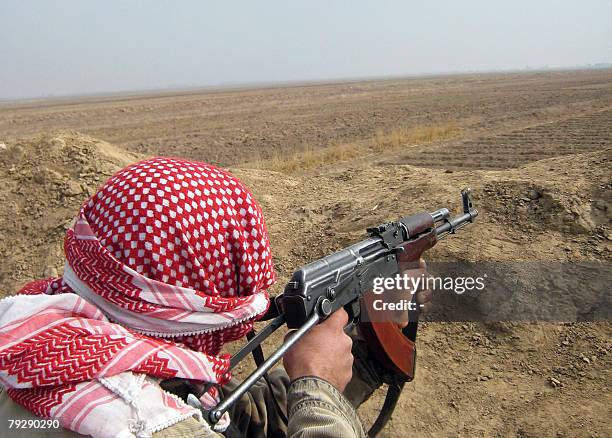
<point>328,160</point>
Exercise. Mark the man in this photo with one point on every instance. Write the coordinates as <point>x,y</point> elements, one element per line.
<point>167,262</point>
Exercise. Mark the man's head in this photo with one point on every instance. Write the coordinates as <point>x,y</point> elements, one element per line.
<point>173,240</point>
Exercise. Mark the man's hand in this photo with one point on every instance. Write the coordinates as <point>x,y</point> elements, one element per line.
<point>423,296</point>
<point>324,352</point>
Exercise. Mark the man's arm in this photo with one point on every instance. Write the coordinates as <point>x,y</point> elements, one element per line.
<point>309,392</point>
<point>319,367</point>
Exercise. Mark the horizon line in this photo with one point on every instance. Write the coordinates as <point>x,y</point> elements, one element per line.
<point>228,86</point>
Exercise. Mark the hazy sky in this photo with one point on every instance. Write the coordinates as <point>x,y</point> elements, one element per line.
<point>59,47</point>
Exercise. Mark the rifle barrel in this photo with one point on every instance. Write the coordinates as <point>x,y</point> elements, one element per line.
<point>453,224</point>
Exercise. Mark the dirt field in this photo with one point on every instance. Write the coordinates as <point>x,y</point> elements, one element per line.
<point>362,153</point>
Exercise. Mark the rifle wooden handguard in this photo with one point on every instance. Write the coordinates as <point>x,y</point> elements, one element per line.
<point>387,340</point>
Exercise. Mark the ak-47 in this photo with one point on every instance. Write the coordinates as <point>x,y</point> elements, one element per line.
<point>341,280</point>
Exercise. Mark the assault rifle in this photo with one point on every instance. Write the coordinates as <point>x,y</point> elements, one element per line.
<point>341,280</point>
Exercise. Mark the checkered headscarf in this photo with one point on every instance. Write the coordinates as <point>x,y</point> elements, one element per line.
<point>167,254</point>
<point>179,241</point>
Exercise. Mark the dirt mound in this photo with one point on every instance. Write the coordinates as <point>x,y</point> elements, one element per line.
<point>555,209</point>
<point>43,181</point>
<point>571,194</point>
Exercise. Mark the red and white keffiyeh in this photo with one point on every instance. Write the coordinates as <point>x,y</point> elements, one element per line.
<point>168,261</point>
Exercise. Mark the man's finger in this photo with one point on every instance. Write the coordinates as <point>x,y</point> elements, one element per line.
<point>424,296</point>
<point>338,318</point>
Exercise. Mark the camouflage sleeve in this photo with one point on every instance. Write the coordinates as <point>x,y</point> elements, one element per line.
<point>313,406</point>
<point>261,411</point>
<point>317,409</point>
<point>189,428</point>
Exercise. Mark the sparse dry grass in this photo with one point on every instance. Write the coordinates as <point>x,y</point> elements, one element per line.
<point>422,134</point>
<point>396,138</point>
<point>311,158</point>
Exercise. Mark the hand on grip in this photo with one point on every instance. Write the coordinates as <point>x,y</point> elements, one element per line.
<point>324,352</point>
